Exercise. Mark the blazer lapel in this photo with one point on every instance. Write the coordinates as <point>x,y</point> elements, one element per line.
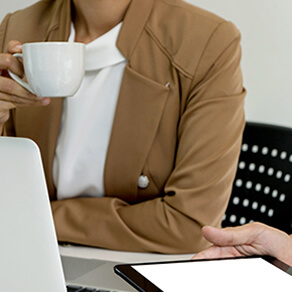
<point>133,25</point>
<point>139,110</point>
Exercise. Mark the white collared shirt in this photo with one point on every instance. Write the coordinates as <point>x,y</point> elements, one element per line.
<point>87,120</point>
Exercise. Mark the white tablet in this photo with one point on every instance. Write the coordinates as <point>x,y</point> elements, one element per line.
<point>229,274</point>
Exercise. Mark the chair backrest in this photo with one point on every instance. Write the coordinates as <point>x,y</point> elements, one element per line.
<point>262,189</point>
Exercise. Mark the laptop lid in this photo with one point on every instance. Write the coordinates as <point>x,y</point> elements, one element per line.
<point>29,253</point>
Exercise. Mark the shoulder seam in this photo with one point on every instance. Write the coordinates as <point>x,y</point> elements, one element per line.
<point>207,43</point>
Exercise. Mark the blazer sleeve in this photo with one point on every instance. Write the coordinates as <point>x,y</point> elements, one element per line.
<point>3,27</point>
<point>198,189</point>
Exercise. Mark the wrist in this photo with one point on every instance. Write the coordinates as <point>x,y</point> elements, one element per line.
<point>4,116</point>
<point>285,251</point>
<point>289,256</point>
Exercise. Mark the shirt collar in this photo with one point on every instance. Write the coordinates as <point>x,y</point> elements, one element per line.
<point>101,52</point>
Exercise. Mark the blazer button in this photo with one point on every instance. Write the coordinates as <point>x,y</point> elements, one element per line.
<point>143,181</point>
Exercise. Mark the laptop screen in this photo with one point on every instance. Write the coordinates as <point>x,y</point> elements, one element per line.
<point>29,253</point>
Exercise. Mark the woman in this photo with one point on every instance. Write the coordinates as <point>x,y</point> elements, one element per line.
<point>147,149</point>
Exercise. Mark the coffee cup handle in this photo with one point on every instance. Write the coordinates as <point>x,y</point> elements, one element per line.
<point>17,78</point>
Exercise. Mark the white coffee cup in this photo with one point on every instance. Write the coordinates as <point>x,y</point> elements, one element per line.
<point>52,69</point>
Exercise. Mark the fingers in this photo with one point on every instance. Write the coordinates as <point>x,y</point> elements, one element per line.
<point>13,93</point>
<point>10,87</point>
<point>232,236</point>
<point>214,235</point>
<point>250,239</point>
<point>8,61</point>
<point>10,102</point>
<point>14,47</point>
<point>214,252</point>
<point>232,241</point>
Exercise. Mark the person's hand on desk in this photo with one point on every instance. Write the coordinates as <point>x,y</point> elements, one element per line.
<point>11,93</point>
<point>250,239</point>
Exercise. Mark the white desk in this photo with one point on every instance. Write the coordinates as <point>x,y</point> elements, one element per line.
<point>118,256</point>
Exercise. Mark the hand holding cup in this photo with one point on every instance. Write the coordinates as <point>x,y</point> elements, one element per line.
<point>52,69</point>
<point>13,95</point>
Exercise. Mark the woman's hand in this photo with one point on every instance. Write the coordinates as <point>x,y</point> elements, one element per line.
<point>250,239</point>
<point>11,93</point>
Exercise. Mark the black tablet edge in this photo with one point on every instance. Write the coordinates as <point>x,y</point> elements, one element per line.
<point>141,284</point>
<point>279,264</point>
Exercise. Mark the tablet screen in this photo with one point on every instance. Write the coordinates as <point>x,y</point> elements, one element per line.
<point>243,274</point>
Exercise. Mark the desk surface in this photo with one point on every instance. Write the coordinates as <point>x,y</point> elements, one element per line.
<point>118,256</point>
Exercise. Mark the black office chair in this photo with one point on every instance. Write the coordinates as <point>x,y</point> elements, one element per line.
<point>262,189</point>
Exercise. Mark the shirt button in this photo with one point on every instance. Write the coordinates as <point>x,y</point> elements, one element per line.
<point>143,181</point>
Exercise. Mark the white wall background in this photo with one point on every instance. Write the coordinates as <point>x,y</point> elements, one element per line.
<point>266,27</point>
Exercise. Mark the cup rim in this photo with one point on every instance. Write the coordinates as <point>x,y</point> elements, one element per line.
<point>52,43</point>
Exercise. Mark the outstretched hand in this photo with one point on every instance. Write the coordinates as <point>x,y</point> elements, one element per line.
<point>250,239</point>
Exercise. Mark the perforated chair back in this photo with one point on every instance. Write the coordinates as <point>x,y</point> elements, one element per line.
<point>262,189</point>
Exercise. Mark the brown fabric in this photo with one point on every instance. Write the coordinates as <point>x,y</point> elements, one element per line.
<point>185,137</point>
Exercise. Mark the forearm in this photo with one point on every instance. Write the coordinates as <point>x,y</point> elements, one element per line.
<point>151,226</point>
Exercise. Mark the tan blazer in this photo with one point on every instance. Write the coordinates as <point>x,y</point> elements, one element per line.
<point>179,121</point>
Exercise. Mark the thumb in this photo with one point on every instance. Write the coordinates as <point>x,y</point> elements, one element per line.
<point>228,236</point>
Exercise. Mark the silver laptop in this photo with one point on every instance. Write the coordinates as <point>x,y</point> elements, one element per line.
<point>29,253</point>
